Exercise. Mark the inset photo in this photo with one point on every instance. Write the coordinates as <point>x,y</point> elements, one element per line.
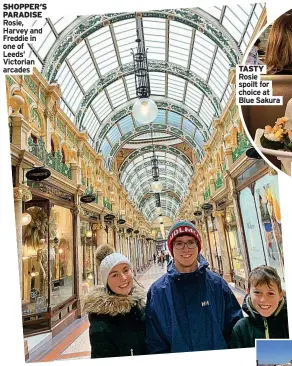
<point>271,125</point>
<point>274,352</point>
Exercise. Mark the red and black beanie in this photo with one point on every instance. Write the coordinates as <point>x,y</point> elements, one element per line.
<point>183,228</point>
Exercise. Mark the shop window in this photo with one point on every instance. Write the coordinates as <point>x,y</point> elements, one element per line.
<point>261,217</point>
<point>247,174</point>
<point>89,270</point>
<point>61,255</point>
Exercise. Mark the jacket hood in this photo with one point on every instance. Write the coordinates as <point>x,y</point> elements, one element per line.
<point>248,308</point>
<point>173,272</point>
<point>102,302</point>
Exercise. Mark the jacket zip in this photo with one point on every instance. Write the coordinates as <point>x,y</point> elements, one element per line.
<point>267,336</point>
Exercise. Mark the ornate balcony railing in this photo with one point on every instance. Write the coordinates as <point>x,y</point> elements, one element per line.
<point>207,193</point>
<point>107,204</point>
<point>218,181</point>
<point>50,160</point>
<point>243,145</point>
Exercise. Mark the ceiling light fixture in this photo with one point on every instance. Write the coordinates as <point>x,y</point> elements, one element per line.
<point>144,109</point>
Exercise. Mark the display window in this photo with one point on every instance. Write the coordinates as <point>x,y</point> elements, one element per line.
<point>47,258</point>
<point>236,252</point>
<point>87,260</point>
<point>260,210</point>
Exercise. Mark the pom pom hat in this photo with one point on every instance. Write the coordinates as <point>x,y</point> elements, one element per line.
<point>108,259</point>
<point>183,228</point>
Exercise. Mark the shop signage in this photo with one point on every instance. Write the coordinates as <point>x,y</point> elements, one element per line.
<point>109,217</point>
<point>38,174</point>
<point>88,198</point>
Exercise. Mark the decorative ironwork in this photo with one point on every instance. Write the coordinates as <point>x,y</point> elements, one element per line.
<point>170,106</point>
<point>107,204</point>
<point>207,193</point>
<point>219,181</point>
<point>50,160</point>
<point>85,26</point>
<point>142,81</point>
<point>153,66</point>
<point>243,144</point>
<point>141,130</point>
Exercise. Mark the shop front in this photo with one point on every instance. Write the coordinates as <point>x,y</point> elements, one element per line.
<point>258,201</point>
<point>49,291</point>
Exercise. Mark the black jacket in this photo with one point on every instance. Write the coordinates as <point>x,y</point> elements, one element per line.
<point>117,323</point>
<point>254,326</point>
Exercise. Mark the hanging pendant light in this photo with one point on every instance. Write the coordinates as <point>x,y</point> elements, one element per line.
<point>25,218</point>
<point>156,186</point>
<point>144,109</point>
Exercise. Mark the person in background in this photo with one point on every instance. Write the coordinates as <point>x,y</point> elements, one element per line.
<point>266,308</point>
<point>253,56</point>
<point>189,308</point>
<point>116,309</point>
<point>154,258</point>
<point>279,46</point>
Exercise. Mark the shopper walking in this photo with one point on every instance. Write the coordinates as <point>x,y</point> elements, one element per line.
<point>116,309</point>
<point>253,56</point>
<point>189,308</point>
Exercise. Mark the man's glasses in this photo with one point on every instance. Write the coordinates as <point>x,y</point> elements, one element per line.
<point>191,244</point>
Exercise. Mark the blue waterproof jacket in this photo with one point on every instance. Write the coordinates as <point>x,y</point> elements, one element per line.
<point>190,311</point>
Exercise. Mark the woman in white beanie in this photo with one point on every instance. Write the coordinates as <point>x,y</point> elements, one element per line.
<point>116,309</point>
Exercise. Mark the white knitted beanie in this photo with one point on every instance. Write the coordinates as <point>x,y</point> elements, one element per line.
<point>108,259</point>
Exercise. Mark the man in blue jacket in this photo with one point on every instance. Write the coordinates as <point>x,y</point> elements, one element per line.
<point>189,308</point>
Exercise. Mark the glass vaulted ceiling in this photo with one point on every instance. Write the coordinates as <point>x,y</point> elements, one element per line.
<point>190,52</point>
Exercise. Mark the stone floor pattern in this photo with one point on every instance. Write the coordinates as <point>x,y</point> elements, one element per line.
<point>73,342</point>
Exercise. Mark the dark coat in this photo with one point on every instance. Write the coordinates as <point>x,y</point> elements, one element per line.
<point>190,311</point>
<point>117,323</point>
<point>256,326</point>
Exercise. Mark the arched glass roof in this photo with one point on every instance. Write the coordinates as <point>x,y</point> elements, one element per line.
<point>190,52</point>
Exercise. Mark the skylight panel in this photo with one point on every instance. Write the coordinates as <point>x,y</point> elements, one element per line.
<point>45,40</point>
<point>114,135</point>
<point>215,11</point>
<point>207,111</point>
<point>130,81</point>
<point>176,87</point>
<point>126,124</point>
<point>157,83</point>
<point>188,127</point>
<point>90,122</point>
<point>66,110</point>
<point>117,93</point>
<point>75,99</point>
<point>173,119</point>
<point>101,106</point>
<point>62,23</point>
<point>105,149</point>
<point>193,97</point>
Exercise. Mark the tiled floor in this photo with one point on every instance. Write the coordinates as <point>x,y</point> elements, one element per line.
<point>73,342</point>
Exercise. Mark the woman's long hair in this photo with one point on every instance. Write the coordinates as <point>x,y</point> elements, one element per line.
<point>279,46</point>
